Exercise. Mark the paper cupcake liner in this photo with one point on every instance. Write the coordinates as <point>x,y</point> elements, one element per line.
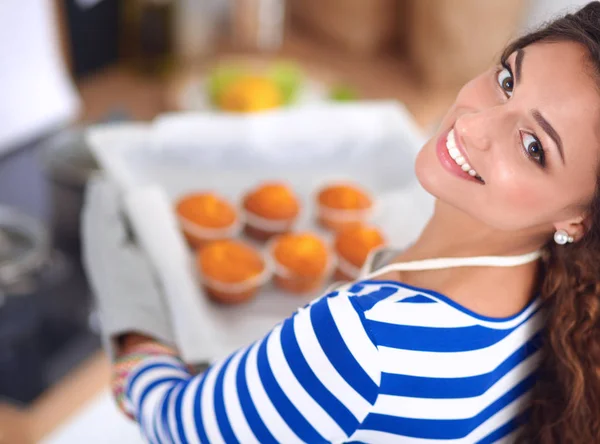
<point>240,287</point>
<point>207,233</point>
<point>268,225</point>
<point>345,215</point>
<point>284,272</point>
<point>341,216</point>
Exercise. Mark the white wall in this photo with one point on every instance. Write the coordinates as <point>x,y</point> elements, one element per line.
<point>37,93</point>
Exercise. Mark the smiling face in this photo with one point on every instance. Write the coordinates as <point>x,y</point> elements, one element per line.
<point>527,135</point>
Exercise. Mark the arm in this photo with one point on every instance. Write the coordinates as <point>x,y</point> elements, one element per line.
<point>313,378</point>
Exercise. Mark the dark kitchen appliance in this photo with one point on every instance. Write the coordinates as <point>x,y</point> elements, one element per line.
<point>46,310</point>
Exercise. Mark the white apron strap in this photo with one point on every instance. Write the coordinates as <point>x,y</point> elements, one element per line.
<point>453,262</point>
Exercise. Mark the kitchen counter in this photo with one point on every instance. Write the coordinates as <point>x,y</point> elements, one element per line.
<point>57,405</point>
<point>119,88</point>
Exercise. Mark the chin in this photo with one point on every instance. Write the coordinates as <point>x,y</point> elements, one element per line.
<point>427,174</point>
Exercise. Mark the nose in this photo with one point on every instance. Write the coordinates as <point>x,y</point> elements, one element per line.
<point>478,129</point>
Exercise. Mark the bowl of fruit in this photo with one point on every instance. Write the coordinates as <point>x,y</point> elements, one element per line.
<point>250,86</point>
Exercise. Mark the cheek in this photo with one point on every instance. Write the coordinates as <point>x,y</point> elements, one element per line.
<point>519,200</point>
<point>514,187</point>
<point>523,197</point>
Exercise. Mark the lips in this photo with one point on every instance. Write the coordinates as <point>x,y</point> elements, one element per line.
<point>454,158</point>
<point>458,154</point>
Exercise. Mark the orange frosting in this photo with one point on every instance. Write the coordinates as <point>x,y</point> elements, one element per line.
<point>355,242</point>
<point>272,201</point>
<point>230,261</point>
<point>344,197</point>
<point>302,253</point>
<point>207,210</point>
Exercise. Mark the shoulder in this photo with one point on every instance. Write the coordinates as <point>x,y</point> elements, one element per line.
<point>374,295</point>
<point>360,308</point>
<point>339,320</point>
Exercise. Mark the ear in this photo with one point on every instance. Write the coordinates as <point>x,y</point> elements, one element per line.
<point>576,227</point>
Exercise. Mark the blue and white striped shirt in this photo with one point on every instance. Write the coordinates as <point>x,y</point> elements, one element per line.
<point>378,362</point>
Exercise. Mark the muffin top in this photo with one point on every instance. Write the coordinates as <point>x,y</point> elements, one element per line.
<point>207,210</point>
<point>272,200</point>
<point>355,242</point>
<point>303,254</point>
<point>344,197</point>
<point>230,261</point>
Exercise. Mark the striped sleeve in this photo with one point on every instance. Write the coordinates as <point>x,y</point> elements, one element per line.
<point>313,378</point>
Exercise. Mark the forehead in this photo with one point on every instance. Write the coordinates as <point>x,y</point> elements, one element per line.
<point>559,81</point>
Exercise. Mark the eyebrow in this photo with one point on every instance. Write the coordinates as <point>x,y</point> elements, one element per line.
<point>519,64</point>
<point>549,129</point>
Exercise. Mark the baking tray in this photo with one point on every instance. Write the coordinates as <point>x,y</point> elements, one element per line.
<point>379,158</point>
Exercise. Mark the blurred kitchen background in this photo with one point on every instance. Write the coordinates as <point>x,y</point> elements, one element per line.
<point>66,64</point>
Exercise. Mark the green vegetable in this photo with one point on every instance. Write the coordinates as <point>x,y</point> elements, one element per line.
<point>343,93</point>
<point>288,77</point>
<point>220,78</point>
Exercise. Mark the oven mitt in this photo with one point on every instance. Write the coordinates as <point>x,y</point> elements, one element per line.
<point>129,298</point>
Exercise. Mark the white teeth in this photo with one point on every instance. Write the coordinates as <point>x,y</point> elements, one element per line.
<point>451,141</point>
<point>455,154</point>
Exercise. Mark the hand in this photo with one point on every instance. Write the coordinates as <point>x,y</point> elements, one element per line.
<point>130,341</point>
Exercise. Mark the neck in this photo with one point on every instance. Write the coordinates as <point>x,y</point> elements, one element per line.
<point>453,233</point>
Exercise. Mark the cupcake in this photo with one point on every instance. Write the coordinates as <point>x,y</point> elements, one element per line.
<point>270,209</point>
<point>352,246</point>
<point>302,262</point>
<point>231,271</point>
<point>341,205</point>
<point>205,217</point>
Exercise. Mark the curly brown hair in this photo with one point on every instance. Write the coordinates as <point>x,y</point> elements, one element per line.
<point>566,398</point>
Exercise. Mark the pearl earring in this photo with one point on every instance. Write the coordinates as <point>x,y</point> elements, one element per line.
<point>561,237</point>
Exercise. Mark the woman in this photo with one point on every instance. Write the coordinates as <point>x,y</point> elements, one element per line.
<point>500,342</point>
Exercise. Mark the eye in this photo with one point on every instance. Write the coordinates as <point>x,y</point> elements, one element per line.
<point>505,80</point>
<point>533,148</point>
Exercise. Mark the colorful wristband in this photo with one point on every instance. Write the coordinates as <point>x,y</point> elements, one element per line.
<point>124,365</point>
